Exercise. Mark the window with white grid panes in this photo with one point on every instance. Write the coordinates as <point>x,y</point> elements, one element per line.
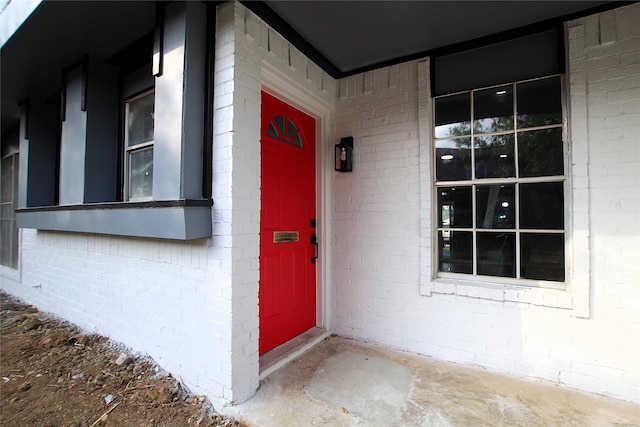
<point>500,176</point>
<point>8,204</point>
<point>139,137</point>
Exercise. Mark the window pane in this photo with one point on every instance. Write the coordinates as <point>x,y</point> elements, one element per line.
<point>542,206</point>
<point>539,102</point>
<point>484,158</point>
<point>6,231</point>
<point>496,254</point>
<point>140,116</point>
<point>15,170</point>
<point>542,256</point>
<point>293,134</point>
<point>495,156</point>
<point>8,203</point>
<point>540,153</point>
<point>140,173</point>
<point>271,131</point>
<point>493,109</point>
<point>495,206</point>
<point>453,159</point>
<point>279,121</point>
<point>455,249</point>
<point>6,183</point>
<point>454,207</point>
<point>453,115</point>
<point>291,128</point>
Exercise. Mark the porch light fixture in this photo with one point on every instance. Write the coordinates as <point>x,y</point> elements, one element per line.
<point>344,155</point>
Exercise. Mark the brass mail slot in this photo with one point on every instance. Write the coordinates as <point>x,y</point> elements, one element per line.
<point>285,236</point>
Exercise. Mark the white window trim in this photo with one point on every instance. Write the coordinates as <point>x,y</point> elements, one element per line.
<point>574,294</point>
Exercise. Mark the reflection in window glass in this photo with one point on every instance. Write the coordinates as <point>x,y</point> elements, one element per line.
<point>456,207</point>
<point>8,203</point>
<point>500,184</point>
<point>140,173</point>
<point>455,250</point>
<point>542,256</point>
<point>292,130</point>
<point>453,159</point>
<point>453,116</point>
<point>297,141</point>
<point>272,131</point>
<point>284,130</point>
<point>495,206</point>
<point>6,168</point>
<point>279,121</point>
<point>493,109</point>
<point>496,254</point>
<point>541,152</point>
<point>494,156</point>
<point>539,102</point>
<point>139,145</point>
<point>140,120</point>
<point>542,206</point>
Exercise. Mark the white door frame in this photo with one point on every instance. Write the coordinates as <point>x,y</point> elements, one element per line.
<point>278,84</point>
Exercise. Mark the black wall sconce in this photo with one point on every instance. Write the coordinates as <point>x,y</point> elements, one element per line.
<point>344,155</point>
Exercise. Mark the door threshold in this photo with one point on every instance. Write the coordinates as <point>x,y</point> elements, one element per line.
<point>274,359</point>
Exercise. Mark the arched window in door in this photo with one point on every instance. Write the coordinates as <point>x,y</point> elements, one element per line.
<point>284,129</point>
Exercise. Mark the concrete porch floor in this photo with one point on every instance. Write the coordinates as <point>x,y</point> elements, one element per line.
<point>342,382</point>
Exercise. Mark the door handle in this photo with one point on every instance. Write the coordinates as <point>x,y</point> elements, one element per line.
<point>314,241</point>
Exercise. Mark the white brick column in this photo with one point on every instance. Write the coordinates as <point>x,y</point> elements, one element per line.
<point>236,184</point>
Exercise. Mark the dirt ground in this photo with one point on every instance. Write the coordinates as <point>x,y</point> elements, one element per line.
<point>52,374</point>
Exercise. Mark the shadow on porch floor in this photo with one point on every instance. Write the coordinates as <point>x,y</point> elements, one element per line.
<point>342,382</point>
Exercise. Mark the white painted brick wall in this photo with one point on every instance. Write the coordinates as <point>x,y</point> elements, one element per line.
<point>244,45</point>
<point>193,306</point>
<point>587,337</point>
<point>161,297</point>
<point>376,222</point>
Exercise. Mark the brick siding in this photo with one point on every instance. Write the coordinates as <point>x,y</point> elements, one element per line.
<point>587,336</point>
<point>193,306</point>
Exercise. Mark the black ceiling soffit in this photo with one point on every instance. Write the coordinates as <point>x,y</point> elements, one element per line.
<point>274,20</point>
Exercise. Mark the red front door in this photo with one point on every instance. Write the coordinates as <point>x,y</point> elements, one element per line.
<point>287,223</point>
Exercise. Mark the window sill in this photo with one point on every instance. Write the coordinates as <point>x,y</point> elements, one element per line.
<point>167,219</point>
<point>547,297</point>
